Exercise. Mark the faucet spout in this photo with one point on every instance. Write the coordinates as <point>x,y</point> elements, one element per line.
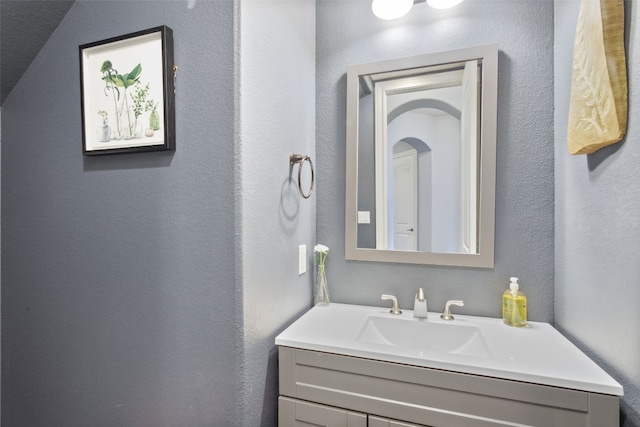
<point>395,309</point>
<point>446,315</point>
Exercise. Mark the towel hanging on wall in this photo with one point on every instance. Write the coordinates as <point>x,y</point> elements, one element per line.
<point>598,109</point>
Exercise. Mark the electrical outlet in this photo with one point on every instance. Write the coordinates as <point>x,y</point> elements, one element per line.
<point>302,259</point>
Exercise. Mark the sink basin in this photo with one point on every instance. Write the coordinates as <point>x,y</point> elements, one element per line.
<point>469,344</point>
<point>424,336</point>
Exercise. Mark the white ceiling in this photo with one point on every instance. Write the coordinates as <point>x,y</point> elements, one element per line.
<point>25,26</point>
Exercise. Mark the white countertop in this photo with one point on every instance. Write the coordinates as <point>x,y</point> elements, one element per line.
<point>537,353</point>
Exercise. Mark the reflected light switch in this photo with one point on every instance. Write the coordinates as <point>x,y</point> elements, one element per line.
<point>364,217</point>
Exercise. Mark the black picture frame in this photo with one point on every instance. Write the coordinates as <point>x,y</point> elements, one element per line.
<point>127,85</point>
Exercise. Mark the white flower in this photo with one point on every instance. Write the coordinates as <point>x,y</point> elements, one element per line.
<point>321,254</point>
<point>321,248</point>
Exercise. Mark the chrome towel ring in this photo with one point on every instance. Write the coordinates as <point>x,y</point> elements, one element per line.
<point>300,159</point>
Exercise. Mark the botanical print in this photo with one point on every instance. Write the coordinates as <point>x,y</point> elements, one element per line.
<point>130,100</point>
<point>123,93</point>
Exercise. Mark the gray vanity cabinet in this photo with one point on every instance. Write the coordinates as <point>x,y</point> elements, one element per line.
<point>356,390</point>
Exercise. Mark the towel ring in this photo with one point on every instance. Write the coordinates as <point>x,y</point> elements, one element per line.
<point>300,159</point>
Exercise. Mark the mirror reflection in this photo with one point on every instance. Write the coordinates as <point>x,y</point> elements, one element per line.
<point>417,131</point>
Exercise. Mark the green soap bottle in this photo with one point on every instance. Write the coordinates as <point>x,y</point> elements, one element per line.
<point>514,305</point>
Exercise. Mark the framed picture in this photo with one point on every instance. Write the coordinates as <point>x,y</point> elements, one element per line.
<point>127,87</point>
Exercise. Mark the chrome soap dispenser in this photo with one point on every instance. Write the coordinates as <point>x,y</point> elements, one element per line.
<point>420,305</point>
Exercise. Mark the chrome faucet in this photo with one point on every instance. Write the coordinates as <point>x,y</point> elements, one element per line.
<point>395,309</point>
<point>446,314</point>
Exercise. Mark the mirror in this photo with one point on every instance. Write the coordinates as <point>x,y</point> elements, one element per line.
<point>421,157</point>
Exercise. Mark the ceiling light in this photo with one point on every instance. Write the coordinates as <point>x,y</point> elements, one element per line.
<point>391,9</point>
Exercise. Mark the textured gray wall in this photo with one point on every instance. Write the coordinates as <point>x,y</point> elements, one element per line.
<point>348,33</point>
<point>276,118</point>
<point>597,226</point>
<point>161,279</point>
<point>119,299</point>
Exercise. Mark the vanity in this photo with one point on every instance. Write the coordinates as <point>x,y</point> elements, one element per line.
<point>350,365</point>
<point>421,138</point>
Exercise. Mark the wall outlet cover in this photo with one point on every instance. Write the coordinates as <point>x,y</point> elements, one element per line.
<point>302,259</point>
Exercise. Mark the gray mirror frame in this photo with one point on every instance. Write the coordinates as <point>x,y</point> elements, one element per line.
<point>489,96</point>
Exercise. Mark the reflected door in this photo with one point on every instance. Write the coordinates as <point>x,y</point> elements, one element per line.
<point>405,201</point>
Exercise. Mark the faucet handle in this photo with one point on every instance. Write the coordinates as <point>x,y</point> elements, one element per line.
<point>395,309</point>
<point>446,315</point>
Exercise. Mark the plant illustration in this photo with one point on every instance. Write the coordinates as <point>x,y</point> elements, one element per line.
<point>154,117</point>
<point>115,81</point>
<point>105,116</point>
<point>108,73</point>
<point>141,102</point>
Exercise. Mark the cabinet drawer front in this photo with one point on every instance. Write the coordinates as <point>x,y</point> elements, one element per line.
<point>384,422</point>
<point>433,397</point>
<point>295,413</point>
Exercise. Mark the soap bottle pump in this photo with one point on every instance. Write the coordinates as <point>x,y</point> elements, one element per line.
<point>420,305</point>
<point>514,305</point>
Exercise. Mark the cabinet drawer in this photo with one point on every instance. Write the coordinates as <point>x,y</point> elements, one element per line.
<point>384,422</point>
<point>434,397</point>
<point>295,413</point>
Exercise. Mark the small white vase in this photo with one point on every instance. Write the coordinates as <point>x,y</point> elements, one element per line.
<point>104,132</point>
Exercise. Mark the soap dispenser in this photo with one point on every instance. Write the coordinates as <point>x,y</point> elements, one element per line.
<point>514,305</point>
<point>420,305</point>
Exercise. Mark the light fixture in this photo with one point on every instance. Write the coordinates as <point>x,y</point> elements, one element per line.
<point>393,9</point>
